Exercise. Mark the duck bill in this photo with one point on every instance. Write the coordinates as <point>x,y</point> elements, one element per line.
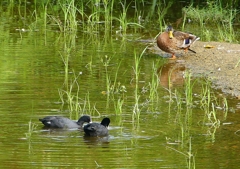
<point>170,33</point>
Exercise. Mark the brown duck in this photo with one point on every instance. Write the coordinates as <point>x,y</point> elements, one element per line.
<point>171,41</point>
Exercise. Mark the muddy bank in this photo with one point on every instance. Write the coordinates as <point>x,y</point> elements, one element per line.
<point>221,64</point>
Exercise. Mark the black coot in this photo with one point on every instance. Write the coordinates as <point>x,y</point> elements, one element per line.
<point>63,122</point>
<point>97,129</point>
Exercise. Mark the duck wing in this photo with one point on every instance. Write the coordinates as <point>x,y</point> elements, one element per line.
<point>184,40</point>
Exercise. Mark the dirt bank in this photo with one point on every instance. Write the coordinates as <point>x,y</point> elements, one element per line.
<point>221,64</point>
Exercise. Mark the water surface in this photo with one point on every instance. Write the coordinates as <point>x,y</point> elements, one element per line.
<point>38,69</point>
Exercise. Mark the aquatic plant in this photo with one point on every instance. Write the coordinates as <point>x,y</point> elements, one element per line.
<point>124,21</point>
<point>74,102</point>
<point>136,68</point>
<point>70,11</point>
<point>31,127</point>
<point>106,60</point>
<point>154,84</point>
<point>115,91</point>
<point>108,14</point>
<point>190,157</point>
<point>188,88</point>
<point>188,98</point>
<point>118,105</point>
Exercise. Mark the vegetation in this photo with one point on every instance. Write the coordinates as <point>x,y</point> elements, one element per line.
<point>100,23</point>
<point>31,128</point>
<point>100,16</point>
<point>207,17</point>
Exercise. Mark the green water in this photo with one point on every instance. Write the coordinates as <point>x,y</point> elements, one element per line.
<point>39,68</point>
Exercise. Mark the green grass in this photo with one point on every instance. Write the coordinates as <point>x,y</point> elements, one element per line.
<point>210,16</point>
<point>94,17</point>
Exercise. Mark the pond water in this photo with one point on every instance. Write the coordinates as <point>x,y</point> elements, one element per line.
<point>52,73</point>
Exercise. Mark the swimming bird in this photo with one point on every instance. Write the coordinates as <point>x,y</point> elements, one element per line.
<point>97,129</point>
<point>63,122</point>
<point>171,41</point>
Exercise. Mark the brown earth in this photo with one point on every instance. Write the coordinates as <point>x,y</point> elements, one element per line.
<point>221,64</point>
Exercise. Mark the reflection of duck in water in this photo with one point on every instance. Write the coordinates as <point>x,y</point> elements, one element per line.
<point>171,41</point>
<point>171,74</point>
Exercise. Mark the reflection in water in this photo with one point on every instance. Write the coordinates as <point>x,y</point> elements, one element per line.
<point>60,133</point>
<point>104,141</point>
<point>171,74</point>
<point>60,130</point>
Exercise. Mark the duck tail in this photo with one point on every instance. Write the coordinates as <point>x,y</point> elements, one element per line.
<point>195,39</point>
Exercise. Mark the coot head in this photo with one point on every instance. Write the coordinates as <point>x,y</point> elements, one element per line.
<point>84,119</point>
<point>97,129</point>
<point>105,122</point>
